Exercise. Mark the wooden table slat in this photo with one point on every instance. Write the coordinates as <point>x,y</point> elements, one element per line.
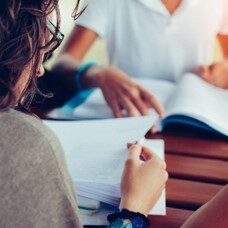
<point>189,194</point>
<point>215,149</point>
<point>199,169</point>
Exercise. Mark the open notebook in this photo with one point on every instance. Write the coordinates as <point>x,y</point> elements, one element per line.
<point>191,101</point>
<point>95,153</point>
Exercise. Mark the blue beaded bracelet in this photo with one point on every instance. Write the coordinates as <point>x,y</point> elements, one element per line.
<point>80,71</point>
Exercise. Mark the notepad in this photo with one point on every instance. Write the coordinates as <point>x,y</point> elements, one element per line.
<point>191,101</point>
<point>96,151</point>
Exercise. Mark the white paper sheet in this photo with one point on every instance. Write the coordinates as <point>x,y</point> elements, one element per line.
<point>99,217</point>
<point>87,134</point>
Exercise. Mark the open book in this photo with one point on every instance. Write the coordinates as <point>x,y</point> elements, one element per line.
<point>191,101</point>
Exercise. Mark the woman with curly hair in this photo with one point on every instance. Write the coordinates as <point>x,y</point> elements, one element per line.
<point>35,187</point>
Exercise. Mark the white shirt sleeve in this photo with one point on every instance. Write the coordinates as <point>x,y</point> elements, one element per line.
<point>224,26</point>
<point>95,17</point>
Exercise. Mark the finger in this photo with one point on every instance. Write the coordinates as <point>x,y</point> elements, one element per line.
<point>151,156</point>
<point>135,97</point>
<point>135,152</point>
<point>128,105</point>
<point>113,104</point>
<point>166,176</point>
<point>140,105</point>
<point>147,154</point>
<point>153,129</point>
<point>116,109</point>
<point>131,144</point>
<point>212,68</point>
<point>205,72</point>
<point>153,102</point>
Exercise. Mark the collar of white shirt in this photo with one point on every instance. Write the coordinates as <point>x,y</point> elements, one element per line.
<point>159,7</point>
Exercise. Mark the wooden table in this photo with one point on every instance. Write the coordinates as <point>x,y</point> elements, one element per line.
<point>197,163</point>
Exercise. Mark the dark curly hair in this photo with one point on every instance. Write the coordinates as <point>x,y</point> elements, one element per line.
<point>23,28</point>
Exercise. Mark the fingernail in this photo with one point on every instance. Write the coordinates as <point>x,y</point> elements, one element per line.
<point>131,144</point>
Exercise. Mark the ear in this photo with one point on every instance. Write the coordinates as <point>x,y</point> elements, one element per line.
<point>40,71</point>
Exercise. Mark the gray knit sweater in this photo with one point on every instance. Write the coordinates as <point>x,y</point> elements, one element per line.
<point>35,187</point>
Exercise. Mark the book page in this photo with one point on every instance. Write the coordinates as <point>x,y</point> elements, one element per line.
<point>89,133</point>
<point>101,163</point>
<point>196,98</point>
<point>99,140</point>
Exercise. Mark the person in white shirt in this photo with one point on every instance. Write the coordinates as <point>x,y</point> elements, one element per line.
<point>160,39</point>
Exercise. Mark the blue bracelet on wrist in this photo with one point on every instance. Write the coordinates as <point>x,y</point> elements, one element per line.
<point>81,94</point>
<point>120,223</point>
<point>137,220</point>
<point>80,71</point>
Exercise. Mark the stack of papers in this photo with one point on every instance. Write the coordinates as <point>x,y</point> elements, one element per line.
<point>95,153</point>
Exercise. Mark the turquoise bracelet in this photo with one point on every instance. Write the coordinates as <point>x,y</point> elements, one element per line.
<point>81,94</point>
<point>80,71</point>
<point>119,223</point>
<point>132,219</point>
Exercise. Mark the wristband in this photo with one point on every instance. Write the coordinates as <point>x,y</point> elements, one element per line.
<point>81,94</point>
<point>80,71</point>
<point>120,223</point>
<point>137,219</point>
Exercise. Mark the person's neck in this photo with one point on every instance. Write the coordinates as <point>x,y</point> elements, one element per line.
<point>171,5</point>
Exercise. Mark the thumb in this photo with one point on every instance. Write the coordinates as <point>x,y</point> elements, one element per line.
<point>135,152</point>
<point>147,154</point>
<point>204,71</point>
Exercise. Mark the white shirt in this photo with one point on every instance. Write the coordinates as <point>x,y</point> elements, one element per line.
<point>144,40</point>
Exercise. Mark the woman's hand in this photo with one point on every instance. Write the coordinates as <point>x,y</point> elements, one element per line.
<point>143,180</point>
<point>121,93</point>
<point>215,74</point>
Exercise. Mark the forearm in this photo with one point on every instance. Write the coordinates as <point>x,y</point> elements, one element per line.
<point>212,214</point>
<point>67,66</point>
<point>223,41</point>
<point>92,77</point>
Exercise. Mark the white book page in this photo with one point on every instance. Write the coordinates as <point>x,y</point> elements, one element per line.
<point>95,107</point>
<point>195,98</point>
<point>87,143</point>
<point>99,164</point>
<point>87,134</point>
